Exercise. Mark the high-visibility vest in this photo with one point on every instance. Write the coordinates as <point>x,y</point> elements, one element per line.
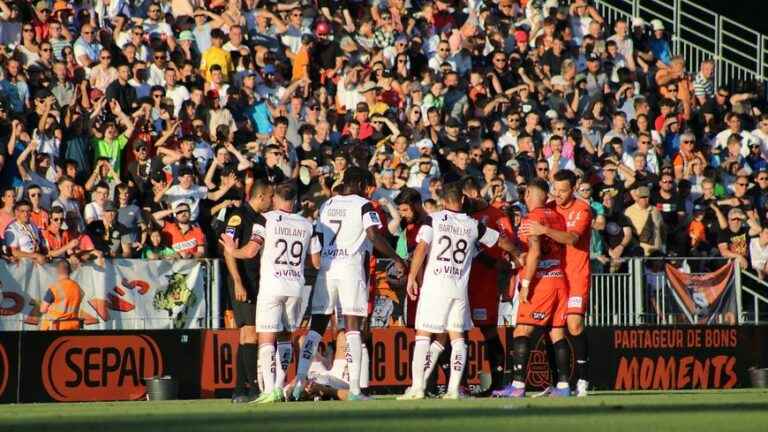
<point>63,313</point>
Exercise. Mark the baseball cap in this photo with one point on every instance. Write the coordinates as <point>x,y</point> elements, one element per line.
<point>656,24</point>
<point>42,5</point>
<point>269,69</point>
<point>698,208</point>
<point>521,36</point>
<point>452,123</point>
<point>638,22</point>
<point>593,57</point>
<point>186,35</point>
<point>424,143</point>
<point>559,80</point>
<point>180,206</point>
<point>212,94</point>
<point>609,191</point>
<point>642,192</point>
<point>736,213</point>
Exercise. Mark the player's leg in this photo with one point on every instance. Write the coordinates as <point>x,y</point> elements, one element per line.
<point>269,323</point>
<point>249,344</point>
<point>458,322</point>
<point>521,352</point>
<point>365,359</point>
<point>436,348</point>
<point>267,365</point>
<point>431,318</point>
<point>579,339</point>
<point>495,352</point>
<point>324,299</point>
<point>560,343</point>
<point>353,298</point>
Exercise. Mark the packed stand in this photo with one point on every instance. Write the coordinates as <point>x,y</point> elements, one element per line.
<point>129,129</point>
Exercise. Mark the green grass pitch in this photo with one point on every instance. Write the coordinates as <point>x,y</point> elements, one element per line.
<point>733,410</point>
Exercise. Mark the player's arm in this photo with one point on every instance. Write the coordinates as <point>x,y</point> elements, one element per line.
<point>562,237</point>
<point>529,268</point>
<point>249,250</point>
<point>419,255</point>
<point>372,226</point>
<point>315,248</point>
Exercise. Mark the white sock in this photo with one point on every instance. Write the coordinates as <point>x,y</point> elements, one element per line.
<point>267,365</point>
<point>458,361</point>
<point>420,353</point>
<point>364,367</point>
<point>339,368</point>
<point>434,353</point>
<point>354,354</point>
<point>283,360</point>
<point>307,353</point>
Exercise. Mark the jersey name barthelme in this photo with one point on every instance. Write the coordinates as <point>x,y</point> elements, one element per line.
<point>454,239</point>
<point>286,240</point>
<point>341,230</point>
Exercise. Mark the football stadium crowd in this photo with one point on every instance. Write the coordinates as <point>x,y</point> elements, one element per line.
<point>130,128</point>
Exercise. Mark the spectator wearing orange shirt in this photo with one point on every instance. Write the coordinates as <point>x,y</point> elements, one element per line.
<point>39,215</point>
<point>185,238</point>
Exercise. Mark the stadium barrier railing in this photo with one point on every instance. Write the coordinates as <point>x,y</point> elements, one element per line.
<point>697,33</point>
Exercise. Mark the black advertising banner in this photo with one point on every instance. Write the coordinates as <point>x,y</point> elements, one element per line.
<point>9,366</point>
<point>88,366</point>
<point>111,365</point>
<point>670,358</point>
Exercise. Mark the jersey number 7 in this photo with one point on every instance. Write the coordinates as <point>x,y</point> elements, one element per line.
<point>336,231</point>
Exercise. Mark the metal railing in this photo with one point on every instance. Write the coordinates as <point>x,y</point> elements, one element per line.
<point>639,296</point>
<point>698,34</point>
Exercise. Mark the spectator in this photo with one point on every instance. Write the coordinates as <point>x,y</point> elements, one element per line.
<point>185,238</point>
<point>22,237</point>
<point>61,302</point>
<point>758,251</point>
<point>157,248</point>
<point>646,221</point>
<point>109,236</point>
<point>733,241</point>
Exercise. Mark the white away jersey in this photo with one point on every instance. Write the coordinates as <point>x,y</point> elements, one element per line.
<point>453,239</point>
<point>286,238</point>
<point>341,230</point>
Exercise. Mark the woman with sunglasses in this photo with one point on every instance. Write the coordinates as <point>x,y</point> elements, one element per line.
<point>28,49</point>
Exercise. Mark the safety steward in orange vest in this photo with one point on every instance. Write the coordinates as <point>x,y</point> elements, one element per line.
<point>61,303</point>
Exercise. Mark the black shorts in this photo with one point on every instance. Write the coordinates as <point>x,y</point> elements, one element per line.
<point>245,312</point>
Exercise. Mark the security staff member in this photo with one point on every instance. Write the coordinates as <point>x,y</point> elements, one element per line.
<point>61,304</point>
<point>244,287</point>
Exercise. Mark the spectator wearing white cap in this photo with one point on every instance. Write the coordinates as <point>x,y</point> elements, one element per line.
<point>660,42</point>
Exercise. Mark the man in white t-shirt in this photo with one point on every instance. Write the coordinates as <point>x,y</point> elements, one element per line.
<point>187,190</point>
<point>94,210</point>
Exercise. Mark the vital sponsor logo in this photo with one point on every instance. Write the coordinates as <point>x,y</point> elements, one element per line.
<point>538,316</point>
<point>95,368</point>
<point>575,302</point>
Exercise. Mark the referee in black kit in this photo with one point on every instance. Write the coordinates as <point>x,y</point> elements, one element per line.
<point>244,288</point>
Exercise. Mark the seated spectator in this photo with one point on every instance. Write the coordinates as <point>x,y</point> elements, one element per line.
<point>758,252</point>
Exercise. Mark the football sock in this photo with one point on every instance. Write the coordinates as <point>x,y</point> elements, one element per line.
<point>551,359</point>
<point>365,363</point>
<point>458,361</point>
<point>580,352</point>
<point>420,353</point>
<point>242,377</point>
<point>495,352</point>
<point>283,361</point>
<point>354,354</point>
<point>267,365</point>
<point>251,361</point>
<point>435,349</point>
<point>521,352</point>
<point>308,351</point>
<point>563,358</point>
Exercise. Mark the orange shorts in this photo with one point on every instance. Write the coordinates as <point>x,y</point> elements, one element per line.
<point>578,294</point>
<point>484,299</point>
<point>547,303</point>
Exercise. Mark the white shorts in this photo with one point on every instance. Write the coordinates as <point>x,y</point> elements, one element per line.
<point>278,313</point>
<point>436,313</point>
<point>350,297</point>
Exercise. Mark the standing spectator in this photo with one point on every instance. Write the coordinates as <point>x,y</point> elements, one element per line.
<point>704,83</point>
<point>733,241</point>
<point>109,236</point>
<point>758,251</point>
<point>61,302</point>
<point>646,221</point>
<point>22,237</point>
<point>185,238</point>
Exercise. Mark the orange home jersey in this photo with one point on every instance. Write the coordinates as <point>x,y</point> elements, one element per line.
<point>552,252</point>
<point>495,219</point>
<point>578,220</point>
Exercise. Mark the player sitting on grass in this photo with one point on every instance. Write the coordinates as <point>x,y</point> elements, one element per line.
<point>285,238</point>
<point>447,241</point>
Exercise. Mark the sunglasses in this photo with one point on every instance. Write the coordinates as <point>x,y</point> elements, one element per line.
<point>542,169</point>
<point>28,30</point>
<point>106,57</point>
<point>45,49</point>
<point>57,219</point>
<point>87,32</point>
<point>34,195</point>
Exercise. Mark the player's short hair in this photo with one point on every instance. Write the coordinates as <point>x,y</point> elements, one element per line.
<point>259,186</point>
<point>287,190</point>
<point>354,181</point>
<point>538,183</point>
<point>453,192</point>
<point>408,196</point>
<point>469,183</point>
<point>566,175</point>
